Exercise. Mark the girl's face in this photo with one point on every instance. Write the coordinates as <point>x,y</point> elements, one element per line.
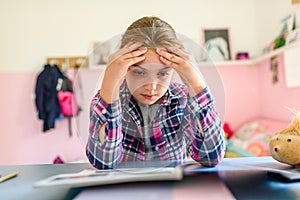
<point>149,80</point>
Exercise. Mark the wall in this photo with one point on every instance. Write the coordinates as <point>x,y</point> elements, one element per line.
<point>269,14</point>
<point>33,30</point>
<point>23,141</point>
<point>21,138</point>
<point>241,85</point>
<point>275,99</point>
<point>249,93</point>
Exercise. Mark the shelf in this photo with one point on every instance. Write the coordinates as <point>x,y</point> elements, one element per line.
<point>256,60</point>
<point>276,52</point>
<point>249,62</point>
<point>228,63</point>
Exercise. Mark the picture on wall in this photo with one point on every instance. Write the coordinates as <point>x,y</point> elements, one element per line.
<point>99,52</point>
<point>217,44</point>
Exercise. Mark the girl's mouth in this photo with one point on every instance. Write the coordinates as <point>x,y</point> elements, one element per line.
<point>148,96</point>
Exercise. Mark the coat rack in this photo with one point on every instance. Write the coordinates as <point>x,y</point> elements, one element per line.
<point>65,63</point>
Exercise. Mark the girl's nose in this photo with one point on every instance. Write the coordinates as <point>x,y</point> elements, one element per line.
<point>150,86</point>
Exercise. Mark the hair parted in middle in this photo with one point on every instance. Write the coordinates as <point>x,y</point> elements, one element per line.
<point>152,32</point>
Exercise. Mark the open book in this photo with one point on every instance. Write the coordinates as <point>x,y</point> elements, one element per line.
<point>92,177</point>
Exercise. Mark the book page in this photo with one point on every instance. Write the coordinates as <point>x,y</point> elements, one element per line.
<point>91,177</point>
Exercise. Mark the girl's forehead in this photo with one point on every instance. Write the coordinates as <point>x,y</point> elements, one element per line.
<point>151,57</point>
<point>151,62</point>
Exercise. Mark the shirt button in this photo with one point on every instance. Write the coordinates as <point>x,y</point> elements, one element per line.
<point>104,111</point>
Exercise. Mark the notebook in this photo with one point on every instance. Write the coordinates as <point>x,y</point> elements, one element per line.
<point>93,177</point>
<point>155,175</point>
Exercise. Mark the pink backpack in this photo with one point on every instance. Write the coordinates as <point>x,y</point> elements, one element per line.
<point>67,102</point>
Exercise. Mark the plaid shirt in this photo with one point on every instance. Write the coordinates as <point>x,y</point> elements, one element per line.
<point>173,131</point>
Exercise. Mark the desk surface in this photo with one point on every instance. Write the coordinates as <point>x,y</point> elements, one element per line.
<point>244,177</point>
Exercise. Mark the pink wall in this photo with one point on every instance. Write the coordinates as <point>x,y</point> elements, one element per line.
<point>242,93</point>
<point>274,98</point>
<point>249,93</point>
<point>21,138</point>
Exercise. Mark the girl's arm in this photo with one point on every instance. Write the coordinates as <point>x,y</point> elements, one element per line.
<point>202,127</point>
<point>205,135</point>
<point>104,147</point>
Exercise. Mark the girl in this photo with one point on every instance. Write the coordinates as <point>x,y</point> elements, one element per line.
<point>141,114</point>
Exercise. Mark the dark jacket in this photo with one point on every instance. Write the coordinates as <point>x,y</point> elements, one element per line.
<point>46,95</point>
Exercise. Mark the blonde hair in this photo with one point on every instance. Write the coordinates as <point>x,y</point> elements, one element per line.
<point>152,32</point>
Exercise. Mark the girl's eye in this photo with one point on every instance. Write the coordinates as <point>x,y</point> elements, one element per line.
<point>162,74</point>
<point>138,72</point>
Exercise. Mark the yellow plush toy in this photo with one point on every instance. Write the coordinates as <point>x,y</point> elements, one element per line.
<point>285,145</point>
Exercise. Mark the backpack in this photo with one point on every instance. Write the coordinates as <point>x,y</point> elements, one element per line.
<point>66,98</point>
<point>67,101</point>
<point>68,104</point>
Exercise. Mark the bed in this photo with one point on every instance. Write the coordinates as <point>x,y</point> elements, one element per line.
<point>252,138</point>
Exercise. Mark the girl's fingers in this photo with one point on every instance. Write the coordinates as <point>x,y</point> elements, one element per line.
<point>181,53</point>
<point>130,47</point>
<point>135,53</point>
<point>167,62</point>
<point>127,48</point>
<point>133,60</point>
<point>169,56</point>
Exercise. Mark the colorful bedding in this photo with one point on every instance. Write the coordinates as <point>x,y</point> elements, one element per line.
<point>252,138</point>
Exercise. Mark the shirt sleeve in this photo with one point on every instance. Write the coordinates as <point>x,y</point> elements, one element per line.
<point>105,154</point>
<point>207,143</point>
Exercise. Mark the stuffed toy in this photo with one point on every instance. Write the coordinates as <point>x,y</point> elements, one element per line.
<point>285,145</point>
<point>228,131</point>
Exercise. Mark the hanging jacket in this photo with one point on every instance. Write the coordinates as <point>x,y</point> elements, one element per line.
<point>46,95</point>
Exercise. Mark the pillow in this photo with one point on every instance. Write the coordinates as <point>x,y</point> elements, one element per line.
<point>252,138</point>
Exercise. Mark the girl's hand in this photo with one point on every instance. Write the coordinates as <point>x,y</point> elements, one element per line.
<point>181,62</point>
<point>117,67</point>
<point>121,60</point>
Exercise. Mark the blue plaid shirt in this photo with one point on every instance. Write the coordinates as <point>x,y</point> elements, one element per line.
<point>173,131</point>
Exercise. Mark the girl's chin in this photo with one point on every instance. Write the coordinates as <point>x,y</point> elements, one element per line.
<point>147,102</point>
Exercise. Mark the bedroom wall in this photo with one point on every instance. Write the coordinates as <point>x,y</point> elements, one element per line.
<point>275,99</point>
<point>21,138</point>
<point>241,85</point>
<point>23,142</point>
<point>269,14</point>
<point>33,30</point>
<point>251,94</point>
